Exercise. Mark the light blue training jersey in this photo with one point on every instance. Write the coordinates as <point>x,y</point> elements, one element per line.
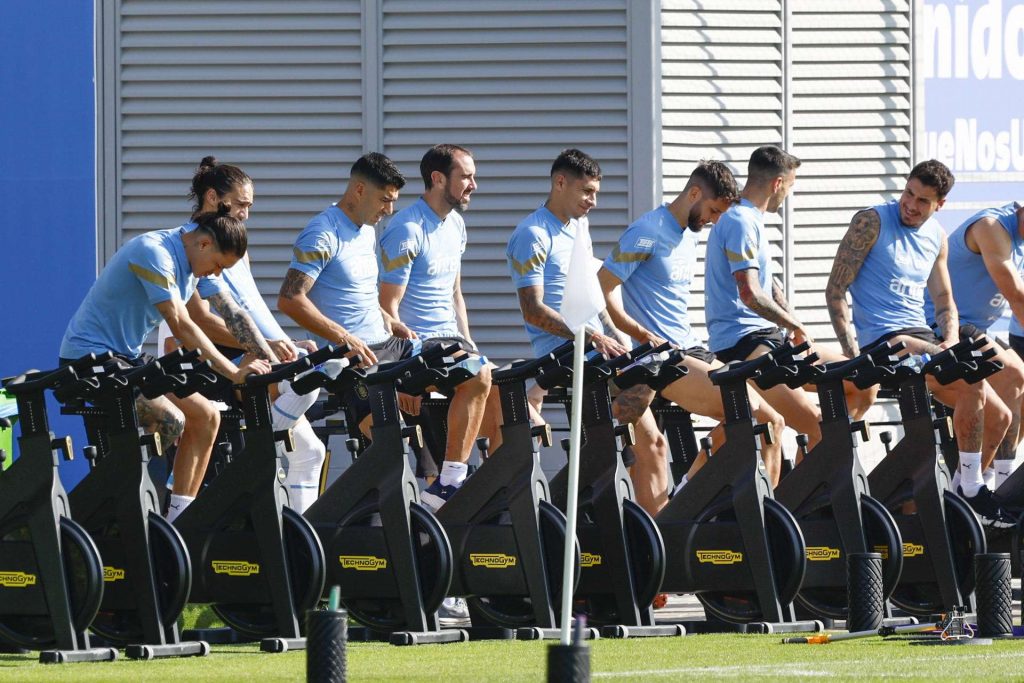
<point>738,241</point>
<point>339,256</point>
<point>655,259</point>
<point>423,253</point>
<point>978,299</point>
<point>888,292</point>
<point>239,282</point>
<point>119,311</point>
<point>538,253</point>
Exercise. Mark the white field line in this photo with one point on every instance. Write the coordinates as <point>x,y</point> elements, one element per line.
<point>798,668</point>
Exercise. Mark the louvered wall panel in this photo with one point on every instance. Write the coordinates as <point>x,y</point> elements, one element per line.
<point>851,119</point>
<point>276,89</point>
<point>516,83</point>
<point>722,95</point>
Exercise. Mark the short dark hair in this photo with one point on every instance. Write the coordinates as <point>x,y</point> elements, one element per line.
<point>228,233</point>
<point>577,164</point>
<point>715,179</point>
<point>934,174</point>
<point>379,170</point>
<point>770,162</point>
<point>222,178</point>
<point>439,158</point>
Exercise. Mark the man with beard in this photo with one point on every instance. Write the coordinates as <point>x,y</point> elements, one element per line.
<point>743,299</point>
<point>654,263</point>
<point>420,263</point>
<point>889,256</point>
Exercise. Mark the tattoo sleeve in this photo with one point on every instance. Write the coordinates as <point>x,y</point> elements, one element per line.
<point>757,300</point>
<point>853,250</point>
<point>542,316</point>
<point>295,283</point>
<point>780,297</point>
<point>241,326</point>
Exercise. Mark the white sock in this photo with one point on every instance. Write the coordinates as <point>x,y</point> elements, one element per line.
<point>177,506</point>
<point>302,466</point>
<point>971,480</point>
<point>989,475</point>
<point>1003,468</point>
<point>956,480</point>
<point>289,406</point>
<point>453,473</point>
<point>680,485</point>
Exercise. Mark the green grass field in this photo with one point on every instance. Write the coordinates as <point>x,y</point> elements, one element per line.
<point>703,656</point>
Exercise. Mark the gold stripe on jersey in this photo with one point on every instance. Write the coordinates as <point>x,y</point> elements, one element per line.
<point>749,254</point>
<point>529,264</point>
<point>629,256</point>
<point>311,256</point>
<point>397,262</point>
<point>158,279</point>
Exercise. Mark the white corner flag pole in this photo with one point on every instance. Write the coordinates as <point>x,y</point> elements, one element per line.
<point>581,302</point>
<point>572,495</point>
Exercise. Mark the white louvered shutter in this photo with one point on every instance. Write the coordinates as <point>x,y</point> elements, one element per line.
<point>274,87</point>
<point>722,96</point>
<point>851,120</point>
<point>516,83</point>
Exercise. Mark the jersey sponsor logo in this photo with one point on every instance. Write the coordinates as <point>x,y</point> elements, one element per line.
<point>645,243</point>
<point>407,246</point>
<point>111,574</point>
<point>680,272</point>
<point>907,288</point>
<point>822,553</point>
<point>235,567</point>
<point>719,557</point>
<point>365,266</point>
<point>363,563</point>
<point>17,580</point>
<point>492,560</point>
<point>588,560</point>
<point>912,550</point>
<point>444,266</point>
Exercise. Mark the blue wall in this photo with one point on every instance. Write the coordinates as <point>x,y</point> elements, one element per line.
<point>47,183</point>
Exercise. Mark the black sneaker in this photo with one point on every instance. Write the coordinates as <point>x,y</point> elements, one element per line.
<point>984,505</point>
<point>437,495</point>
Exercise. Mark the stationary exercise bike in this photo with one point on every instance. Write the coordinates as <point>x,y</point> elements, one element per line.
<point>941,534</point>
<point>726,537</point>
<point>388,553</point>
<point>623,552</point>
<point>258,562</point>
<point>51,573</point>
<point>828,494</point>
<point>147,570</point>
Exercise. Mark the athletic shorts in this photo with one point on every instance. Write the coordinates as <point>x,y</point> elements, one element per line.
<point>448,341</point>
<point>925,334</point>
<point>701,353</point>
<point>772,337</point>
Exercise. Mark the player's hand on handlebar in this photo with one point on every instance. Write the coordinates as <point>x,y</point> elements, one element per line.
<point>608,347</point>
<point>401,330</point>
<point>283,349</point>
<point>800,336</point>
<point>250,366</point>
<point>652,339</point>
<point>409,404</point>
<point>308,345</point>
<point>358,347</point>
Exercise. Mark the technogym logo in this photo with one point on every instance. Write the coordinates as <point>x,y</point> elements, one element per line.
<point>588,560</point>
<point>719,557</point>
<point>235,567</point>
<point>113,574</point>
<point>363,563</point>
<point>492,560</point>
<point>17,579</point>
<point>822,553</point>
<point>912,550</point>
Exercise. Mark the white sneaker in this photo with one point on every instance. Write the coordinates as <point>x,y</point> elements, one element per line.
<point>453,612</point>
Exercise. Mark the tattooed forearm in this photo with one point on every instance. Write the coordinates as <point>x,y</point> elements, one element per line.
<point>947,322</point>
<point>760,303</point>
<point>536,313</point>
<point>780,297</point>
<point>295,284</point>
<point>853,250</point>
<point>241,326</point>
